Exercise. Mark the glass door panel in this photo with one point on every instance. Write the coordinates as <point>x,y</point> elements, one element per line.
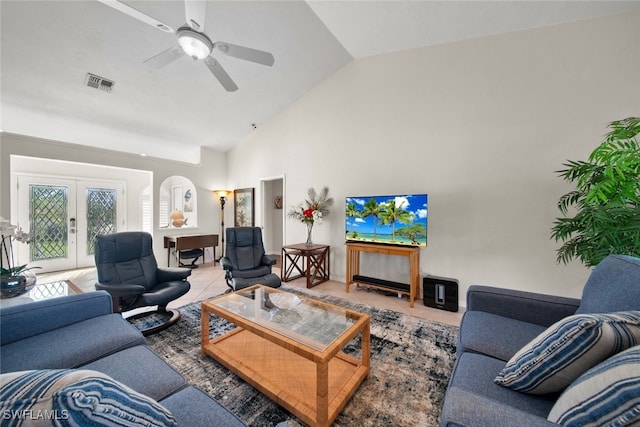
<point>100,207</point>
<point>46,208</point>
<point>64,217</point>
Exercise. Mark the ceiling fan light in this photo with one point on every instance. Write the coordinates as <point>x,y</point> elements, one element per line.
<point>194,44</point>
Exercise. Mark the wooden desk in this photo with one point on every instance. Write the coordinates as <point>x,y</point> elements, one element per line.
<point>310,261</point>
<point>186,242</point>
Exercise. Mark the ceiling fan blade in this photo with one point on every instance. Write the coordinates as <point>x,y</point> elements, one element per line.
<point>195,11</point>
<point>165,57</point>
<point>220,74</point>
<point>135,13</point>
<point>246,53</point>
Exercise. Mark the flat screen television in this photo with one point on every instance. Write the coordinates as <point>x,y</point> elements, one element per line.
<point>392,220</point>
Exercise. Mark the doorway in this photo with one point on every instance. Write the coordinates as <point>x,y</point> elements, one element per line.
<point>64,216</point>
<point>273,214</point>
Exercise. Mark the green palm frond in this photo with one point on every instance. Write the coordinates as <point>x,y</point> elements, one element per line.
<point>606,200</point>
<point>319,201</point>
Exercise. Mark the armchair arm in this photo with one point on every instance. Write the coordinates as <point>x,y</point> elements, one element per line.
<point>120,289</point>
<point>169,274</point>
<point>226,263</point>
<point>267,260</point>
<point>539,309</point>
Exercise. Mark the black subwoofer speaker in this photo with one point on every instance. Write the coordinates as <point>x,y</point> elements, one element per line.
<point>440,292</point>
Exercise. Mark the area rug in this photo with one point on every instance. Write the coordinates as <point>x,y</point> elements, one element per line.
<point>411,360</point>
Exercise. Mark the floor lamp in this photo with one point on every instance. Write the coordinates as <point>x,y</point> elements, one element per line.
<point>222,194</point>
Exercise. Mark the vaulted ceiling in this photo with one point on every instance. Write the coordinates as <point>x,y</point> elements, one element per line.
<point>48,47</point>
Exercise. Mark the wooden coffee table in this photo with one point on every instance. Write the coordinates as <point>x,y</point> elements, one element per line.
<point>291,349</point>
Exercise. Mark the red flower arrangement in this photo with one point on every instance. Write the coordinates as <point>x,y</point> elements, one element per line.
<point>313,210</point>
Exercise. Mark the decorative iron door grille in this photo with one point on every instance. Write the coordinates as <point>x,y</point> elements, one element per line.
<point>64,216</point>
<point>48,222</point>
<point>101,214</point>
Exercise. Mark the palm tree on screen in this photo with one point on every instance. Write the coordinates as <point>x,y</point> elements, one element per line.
<point>393,213</point>
<point>351,212</point>
<point>372,209</point>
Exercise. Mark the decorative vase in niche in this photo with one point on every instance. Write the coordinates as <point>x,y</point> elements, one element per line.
<point>178,219</point>
<point>309,230</point>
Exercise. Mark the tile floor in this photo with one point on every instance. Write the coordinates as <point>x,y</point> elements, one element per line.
<point>208,281</point>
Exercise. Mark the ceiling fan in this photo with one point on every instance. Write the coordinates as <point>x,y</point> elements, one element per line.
<point>193,41</point>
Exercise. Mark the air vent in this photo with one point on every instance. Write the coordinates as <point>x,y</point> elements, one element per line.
<point>98,82</point>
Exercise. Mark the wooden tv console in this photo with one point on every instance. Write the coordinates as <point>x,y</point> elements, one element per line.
<point>353,268</point>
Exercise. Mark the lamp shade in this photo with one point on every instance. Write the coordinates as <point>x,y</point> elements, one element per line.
<point>222,193</point>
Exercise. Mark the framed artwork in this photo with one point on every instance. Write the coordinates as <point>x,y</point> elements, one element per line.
<point>188,201</point>
<point>277,202</point>
<point>243,209</point>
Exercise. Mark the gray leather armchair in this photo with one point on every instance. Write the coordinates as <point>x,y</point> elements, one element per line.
<point>128,270</point>
<point>245,262</point>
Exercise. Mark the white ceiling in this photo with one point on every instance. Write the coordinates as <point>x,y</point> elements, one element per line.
<point>48,47</point>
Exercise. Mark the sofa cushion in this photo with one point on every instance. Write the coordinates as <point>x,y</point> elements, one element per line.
<point>608,394</point>
<point>132,367</point>
<point>474,373</point>
<point>463,408</point>
<point>612,286</point>
<point>72,345</point>
<point>77,397</point>
<point>478,334</point>
<point>568,348</point>
<point>472,399</point>
<point>192,407</point>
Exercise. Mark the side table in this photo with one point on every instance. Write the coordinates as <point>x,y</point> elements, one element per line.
<point>310,261</point>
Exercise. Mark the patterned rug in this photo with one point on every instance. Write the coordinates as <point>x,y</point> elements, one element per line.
<point>411,360</point>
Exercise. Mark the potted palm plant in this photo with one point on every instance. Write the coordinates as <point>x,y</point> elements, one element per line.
<point>602,215</point>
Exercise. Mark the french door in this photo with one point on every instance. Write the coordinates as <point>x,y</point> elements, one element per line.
<point>64,217</point>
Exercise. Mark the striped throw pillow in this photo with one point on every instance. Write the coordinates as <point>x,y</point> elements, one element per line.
<point>567,349</point>
<point>75,398</point>
<point>606,395</point>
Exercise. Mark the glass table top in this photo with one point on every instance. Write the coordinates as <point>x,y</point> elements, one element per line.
<point>42,291</point>
<point>304,320</point>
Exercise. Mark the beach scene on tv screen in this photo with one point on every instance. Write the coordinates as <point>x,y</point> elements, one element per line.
<point>396,220</point>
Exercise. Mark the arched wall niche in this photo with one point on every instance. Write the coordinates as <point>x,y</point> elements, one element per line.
<point>178,193</point>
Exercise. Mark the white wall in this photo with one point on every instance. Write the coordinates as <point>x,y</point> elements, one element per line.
<point>207,176</point>
<point>134,181</point>
<point>479,125</point>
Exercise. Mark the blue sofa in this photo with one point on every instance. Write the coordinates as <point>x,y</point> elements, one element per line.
<point>81,332</point>
<point>499,322</point>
